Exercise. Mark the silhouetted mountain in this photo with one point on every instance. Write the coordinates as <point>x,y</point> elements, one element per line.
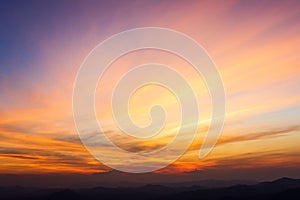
<point>280,184</point>
<point>265,189</point>
<point>211,183</point>
<point>284,188</point>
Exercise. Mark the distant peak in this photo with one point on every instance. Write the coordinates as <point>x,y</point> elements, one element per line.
<point>285,179</point>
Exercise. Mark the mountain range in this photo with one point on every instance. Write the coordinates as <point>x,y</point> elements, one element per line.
<point>284,188</point>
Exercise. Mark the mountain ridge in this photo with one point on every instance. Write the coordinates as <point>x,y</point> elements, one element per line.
<point>283,188</point>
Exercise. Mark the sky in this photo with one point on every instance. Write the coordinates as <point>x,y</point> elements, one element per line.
<point>254,44</point>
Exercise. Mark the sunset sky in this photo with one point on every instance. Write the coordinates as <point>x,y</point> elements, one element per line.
<point>254,44</point>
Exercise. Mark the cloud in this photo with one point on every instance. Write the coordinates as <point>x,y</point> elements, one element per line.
<point>142,148</point>
<point>258,160</point>
<point>258,135</point>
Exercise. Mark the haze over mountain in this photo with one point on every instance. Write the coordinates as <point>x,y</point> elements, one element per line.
<point>115,178</point>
